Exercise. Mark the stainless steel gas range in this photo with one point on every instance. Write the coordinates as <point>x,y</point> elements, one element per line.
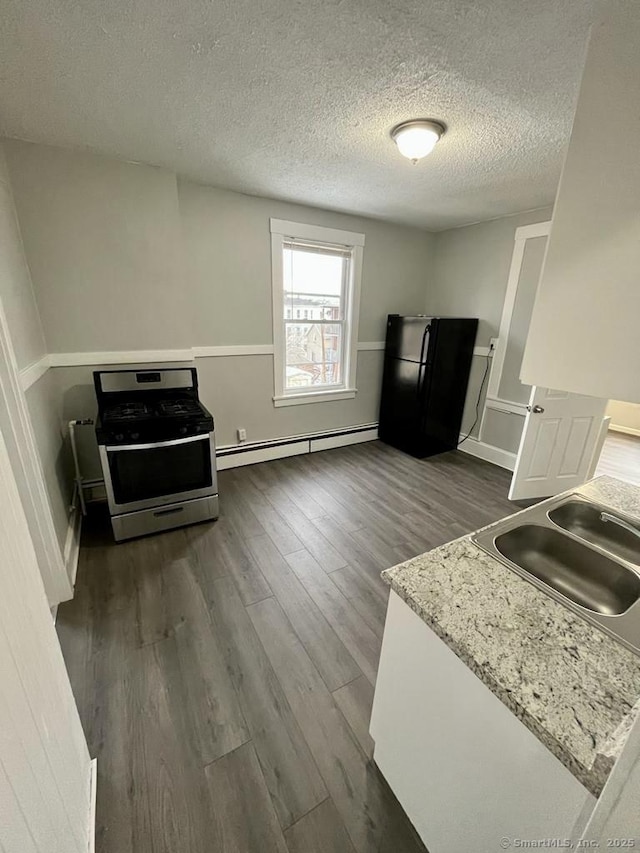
<point>157,449</point>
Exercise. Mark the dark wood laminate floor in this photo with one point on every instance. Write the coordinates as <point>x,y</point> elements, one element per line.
<point>224,673</point>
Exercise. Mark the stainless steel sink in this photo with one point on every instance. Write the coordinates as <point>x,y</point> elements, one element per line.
<point>584,519</point>
<point>565,549</point>
<point>587,577</point>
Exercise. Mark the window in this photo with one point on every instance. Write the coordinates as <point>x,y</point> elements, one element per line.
<point>316,291</point>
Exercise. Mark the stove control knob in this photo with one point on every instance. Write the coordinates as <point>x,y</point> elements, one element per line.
<point>119,436</point>
<point>135,436</point>
<point>183,430</point>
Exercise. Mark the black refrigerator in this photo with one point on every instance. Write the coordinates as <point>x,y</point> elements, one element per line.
<point>426,372</point>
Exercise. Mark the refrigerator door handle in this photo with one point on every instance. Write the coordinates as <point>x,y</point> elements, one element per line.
<point>422,369</point>
<point>425,334</point>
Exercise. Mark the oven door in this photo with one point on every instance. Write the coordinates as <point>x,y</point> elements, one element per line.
<point>141,476</point>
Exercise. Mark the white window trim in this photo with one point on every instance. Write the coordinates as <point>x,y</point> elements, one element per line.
<point>279,230</point>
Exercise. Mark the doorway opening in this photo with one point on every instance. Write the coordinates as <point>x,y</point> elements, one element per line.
<point>620,455</point>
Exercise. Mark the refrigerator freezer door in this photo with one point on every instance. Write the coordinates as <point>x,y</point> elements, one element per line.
<point>408,337</point>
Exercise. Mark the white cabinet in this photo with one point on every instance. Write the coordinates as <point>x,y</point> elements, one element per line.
<point>585,329</point>
<point>467,772</point>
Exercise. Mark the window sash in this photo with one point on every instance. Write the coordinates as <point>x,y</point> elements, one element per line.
<point>291,244</point>
<point>326,365</point>
<point>319,240</point>
<point>345,253</point>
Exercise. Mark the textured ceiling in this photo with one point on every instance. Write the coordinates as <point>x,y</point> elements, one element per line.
<point>294,99</point>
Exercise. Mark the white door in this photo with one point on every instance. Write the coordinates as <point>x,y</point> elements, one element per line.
<point>562,436</point>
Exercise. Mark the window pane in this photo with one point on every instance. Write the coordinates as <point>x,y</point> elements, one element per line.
<point>312,285</point>
<point>313,354</point>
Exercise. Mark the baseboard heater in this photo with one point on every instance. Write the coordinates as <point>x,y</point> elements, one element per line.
<point>236,455</point>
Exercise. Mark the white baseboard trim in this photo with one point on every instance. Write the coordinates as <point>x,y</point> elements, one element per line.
<point>237,455</point>
<point>71,553</point>
<point>93,792</point>
<point>624,429</point>
<point>489,453</point>
<point>264,454</point>
<point>30,375</point>
<point>332,441</point>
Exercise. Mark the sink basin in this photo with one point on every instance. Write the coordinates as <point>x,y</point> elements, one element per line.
<point>563,547</point>
<point>583,520</point>
<point>585,576</point>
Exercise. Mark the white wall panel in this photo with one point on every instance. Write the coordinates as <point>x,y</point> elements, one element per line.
<point>44,762</point>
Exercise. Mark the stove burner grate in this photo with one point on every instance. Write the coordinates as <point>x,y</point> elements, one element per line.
<point>129,411</point>
<point>179,408</point>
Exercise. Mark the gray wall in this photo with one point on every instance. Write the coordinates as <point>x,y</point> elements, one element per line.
<point>19,304</point>
<point>470,272</point>
<point>228,281</point>
<point>471,267</point>
<point>123,256</point>
<point>104,246</point>
<point>127,257</point>
<point>228,264</point>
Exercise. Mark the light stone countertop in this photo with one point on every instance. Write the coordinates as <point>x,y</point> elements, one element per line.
<point>573,686</point>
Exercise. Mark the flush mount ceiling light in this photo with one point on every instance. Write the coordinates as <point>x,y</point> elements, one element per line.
<point>417,138</point>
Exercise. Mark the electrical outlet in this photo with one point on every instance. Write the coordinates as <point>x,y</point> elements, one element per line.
<point>242,434</point>
<point>493,344</point>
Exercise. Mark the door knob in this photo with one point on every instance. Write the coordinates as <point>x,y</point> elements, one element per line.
<point>537,410</point>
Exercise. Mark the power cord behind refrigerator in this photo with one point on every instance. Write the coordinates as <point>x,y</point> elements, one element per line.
<point>488,357</point>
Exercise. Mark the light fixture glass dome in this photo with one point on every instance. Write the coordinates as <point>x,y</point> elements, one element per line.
<point>417,138</point>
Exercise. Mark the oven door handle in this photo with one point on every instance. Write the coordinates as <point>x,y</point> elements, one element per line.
<point>113,448</point>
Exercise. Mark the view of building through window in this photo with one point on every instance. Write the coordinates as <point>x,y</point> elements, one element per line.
<point>314,289</point>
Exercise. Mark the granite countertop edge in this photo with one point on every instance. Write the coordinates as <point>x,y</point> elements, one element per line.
<point>592,776</point>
